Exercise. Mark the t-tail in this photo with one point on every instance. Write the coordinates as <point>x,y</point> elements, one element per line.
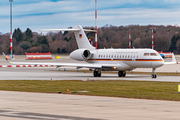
<point>81,38</point>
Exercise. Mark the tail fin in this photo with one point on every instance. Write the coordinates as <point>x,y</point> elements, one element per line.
<point>80,35</point>
<point>82,39</point>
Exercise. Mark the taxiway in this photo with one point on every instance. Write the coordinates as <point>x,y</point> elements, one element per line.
<point>30,106</point>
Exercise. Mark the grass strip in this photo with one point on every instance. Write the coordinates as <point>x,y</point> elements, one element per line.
<point>126,89</point>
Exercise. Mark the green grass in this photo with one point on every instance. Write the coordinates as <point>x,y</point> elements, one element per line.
<point>126,89</point>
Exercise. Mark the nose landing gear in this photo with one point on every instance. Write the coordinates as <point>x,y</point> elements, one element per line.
<point>153,73</point>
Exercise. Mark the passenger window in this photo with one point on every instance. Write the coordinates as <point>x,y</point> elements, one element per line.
<point>146,54</point>
<point>153,54</point>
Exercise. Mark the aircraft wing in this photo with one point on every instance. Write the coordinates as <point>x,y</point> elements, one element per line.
<point>78,65</point>
<point>173,61</point>
<point>170,63</point>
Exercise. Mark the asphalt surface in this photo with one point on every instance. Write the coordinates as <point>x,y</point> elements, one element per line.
<point>55,74</point>
<point>60,74</point>
<point>40,106</point>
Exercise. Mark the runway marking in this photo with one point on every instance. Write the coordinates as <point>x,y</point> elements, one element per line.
<point>39,116</point>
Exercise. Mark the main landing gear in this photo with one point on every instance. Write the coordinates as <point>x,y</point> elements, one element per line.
<point>153,73</point>
<point>97,73</point>
<point>122,73</point>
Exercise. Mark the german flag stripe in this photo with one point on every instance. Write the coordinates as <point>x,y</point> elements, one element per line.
<point>150,60</point>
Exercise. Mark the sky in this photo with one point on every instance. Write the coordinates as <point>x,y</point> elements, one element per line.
<point>59,14</point>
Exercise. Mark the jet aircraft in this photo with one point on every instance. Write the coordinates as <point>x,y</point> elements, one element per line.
<point>98,60</point>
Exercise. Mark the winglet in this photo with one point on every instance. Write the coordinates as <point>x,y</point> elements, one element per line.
<point>5,57</point>
<point>173,58</point>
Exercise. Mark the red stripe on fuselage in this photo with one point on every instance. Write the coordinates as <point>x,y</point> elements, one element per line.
<point>149,60</point>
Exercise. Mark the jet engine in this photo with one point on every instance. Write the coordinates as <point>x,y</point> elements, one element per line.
<point>162,55</point>
<point>81,54</point>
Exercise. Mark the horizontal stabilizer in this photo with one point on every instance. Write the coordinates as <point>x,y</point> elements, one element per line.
<point>73,30</point>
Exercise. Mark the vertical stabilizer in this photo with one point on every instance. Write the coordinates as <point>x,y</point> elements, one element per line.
<point>82,39</point>
<point>80,35</point>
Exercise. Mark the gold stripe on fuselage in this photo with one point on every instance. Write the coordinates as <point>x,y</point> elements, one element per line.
<point>142,60</point>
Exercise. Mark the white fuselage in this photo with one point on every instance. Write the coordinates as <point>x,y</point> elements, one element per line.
<point>127,59</point>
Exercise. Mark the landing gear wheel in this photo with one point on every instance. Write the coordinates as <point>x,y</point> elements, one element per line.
<point>95,73</point>
<point>122,73</point>
<point>99,74</point>
<point>153,76</point>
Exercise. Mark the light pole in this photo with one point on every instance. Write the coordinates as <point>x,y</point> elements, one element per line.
<point>130,37</point>
<point>11,28</point>
<point>96,24</point>
<point>153,36</point>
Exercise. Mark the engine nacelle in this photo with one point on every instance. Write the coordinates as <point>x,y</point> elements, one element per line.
<point>162,55</point>
<point>81,54</point>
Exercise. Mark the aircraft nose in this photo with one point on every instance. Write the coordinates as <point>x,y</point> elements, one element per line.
<point>162,62</point>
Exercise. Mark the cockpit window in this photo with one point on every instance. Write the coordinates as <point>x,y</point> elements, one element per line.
<point>153,54</point>
<point>146,54</point>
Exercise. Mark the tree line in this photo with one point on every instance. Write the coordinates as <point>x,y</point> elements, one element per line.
<point>166,38</point>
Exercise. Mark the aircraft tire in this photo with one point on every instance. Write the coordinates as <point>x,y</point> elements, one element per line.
<point>120,73</point>
<point>95,73</point>
<point>99,75</point>
<point>154,76</point>
<point>124,74</point>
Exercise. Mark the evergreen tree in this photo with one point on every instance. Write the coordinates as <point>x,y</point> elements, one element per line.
<point>28,33</point>
<point>43,40</point>
<point>173,43</point>
<point>18,35</point>
<point>58,50</point>
<point>64,50</point>
<point>25,46</point>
